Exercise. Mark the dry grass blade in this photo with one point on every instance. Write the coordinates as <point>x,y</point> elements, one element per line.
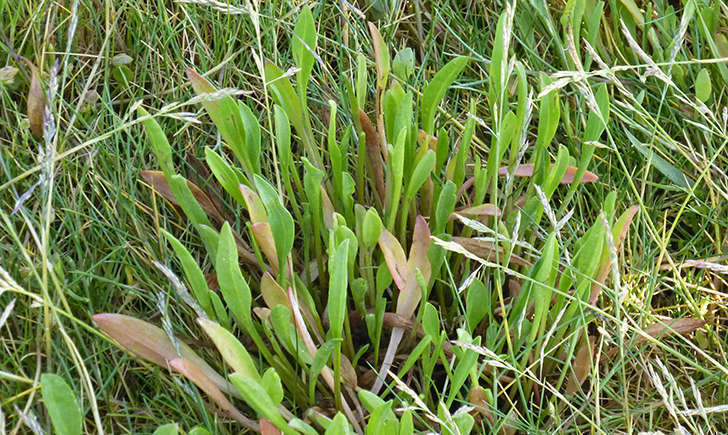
<point>36,104</point>
<point>582,365</point>
<point>487,251</point>
<point>374,153</point>
<point>526,170</point>
<point>190,371</point>
<point>157,180</point>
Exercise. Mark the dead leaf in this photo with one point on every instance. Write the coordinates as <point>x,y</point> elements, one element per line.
<point>374,153</point>
<point>478,210</point>
<point>526,170</point>
<point>268,428</point>
<point>157,180</point>
<point>152,344</point>
<point>394,257</point>
<point>669,327</point>
<point>582,366</point>
<point>264,238</point>
<point>410,297</point>
<point>487,251</point>
<point>192,372</point>
<point>479,400</point>
<point>36,104</point>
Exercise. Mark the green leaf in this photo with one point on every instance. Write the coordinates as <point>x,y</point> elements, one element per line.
<point>61,404</point>
<point>198,430</point>
<point>234,289</point>
<point>381,55</point>
<point>225,175</point>
<point>370,400</point>
<point>403,64</point>
<point>339,426</point>
<point>445,206</point>
<point>232,351</point>
<point>420,174</point>
<point>272,384</point>
<point>280,220</point>
<point>193,273</point>
<point>285,96</point>
<point>703,87</point>
<point>435,90</point>
<point>372,228</point>
<point>322,357</point>
<point>258,399</point>
<point>226,116</point>
<point>252,137</point>
<point>338,284</point>
<point>666,168</point>
<point>159,143</point>
<point>167,429</point>
<point>303,47</point>
<point>477,304</point>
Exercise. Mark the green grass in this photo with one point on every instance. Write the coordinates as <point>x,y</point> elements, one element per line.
<point>84,241</point>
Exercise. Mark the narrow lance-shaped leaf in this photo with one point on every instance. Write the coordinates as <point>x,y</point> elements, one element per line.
<point>61,404</point>
<point>157,180</point>
<point>526,170</point>
<point>159,143</point>
<point>233,287</point>
<point>619,233</point>
<point>374,152</point>
<point>225,114</point>
<point>193,273</point>
<point>381,55</point>
<point>303,46</point>
<point>410,297</point>
<point>338,284</point>
<point>280,220</point>
<point>394,257</point>
<point>190,371</point>
<point>435,90</point>
<point>152,344</point>
<point>232,351</point>
<point>225,175</point>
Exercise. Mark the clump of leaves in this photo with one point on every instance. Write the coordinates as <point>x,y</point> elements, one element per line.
<point>356,255</point>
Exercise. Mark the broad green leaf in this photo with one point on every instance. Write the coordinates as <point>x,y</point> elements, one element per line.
<point>225,175</point>
<point>420,174</point>
<point>371,228</point>
<point>225,114</point>
<point>198,430</point>
<point>383,421</point>
<point>322,357</point>
<point>280,220</point>
<point>339,426</point>
<point>477,304</point>
<point>445,206</point>
<point>252,137</point>
<point>285,96</point>
<point>234,288</point>
<point>61,404</point>
<point>338,285</point>
<point>257,398</point>
<point>232,351</point>
<point>193,273</point>
<point>435,90</point>
<point>703,87</point>
<point>497,76</point>
<point>370,400</point>
<point>464,366</point>
<point>271,382</point>
<point>303,47</point>
<point>193,201</point>
<point>403,64</point>
<point>167,429</point>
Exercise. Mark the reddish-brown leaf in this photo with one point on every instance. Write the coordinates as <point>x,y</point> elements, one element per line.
<point>374,153</point>
<point>478,210</point>
<point>268,428</point>
<point>190,371</point>
<point>669,327</point>
<point>157,180</point>
<point>487,251</point>
<point>152,344</point>
<point>526,170</point>
<point>410,296</point>
<point>394,256</point>
<point>582,365</point>
<point>264,237</point>
<point>36,104</point>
